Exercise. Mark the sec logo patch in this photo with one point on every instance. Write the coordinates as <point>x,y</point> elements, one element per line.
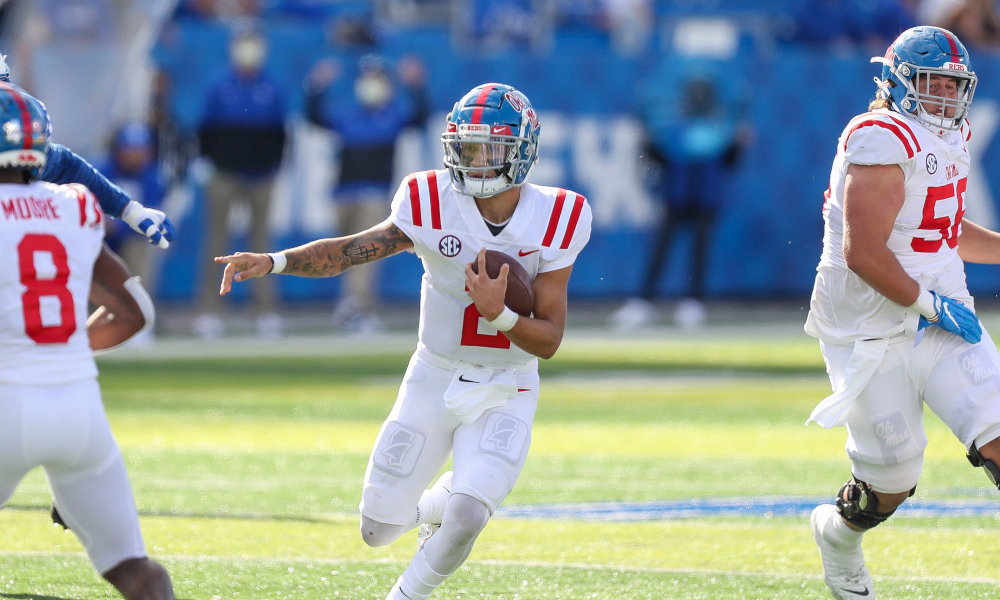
<point>931,164</point>
<point>450,246</point>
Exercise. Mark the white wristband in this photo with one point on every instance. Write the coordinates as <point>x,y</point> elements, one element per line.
<point>925,305</point>
<point>280,262</point>
<point>506,320</point>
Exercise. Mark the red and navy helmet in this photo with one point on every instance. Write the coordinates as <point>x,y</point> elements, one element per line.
<point>24,131</point>
<point>491,140</point>
<point>918,53</point>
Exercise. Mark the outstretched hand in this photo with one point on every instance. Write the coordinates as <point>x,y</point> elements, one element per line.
<point>242,266</point>
<point>488,294</point>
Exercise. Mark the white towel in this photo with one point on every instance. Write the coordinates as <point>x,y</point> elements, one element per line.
<point>865,360</point>
<point>474,390</point>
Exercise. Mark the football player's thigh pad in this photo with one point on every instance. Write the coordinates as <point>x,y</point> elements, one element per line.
<point>91,486</point>
<point>490,452</point>
<point>13,465</point>
<point>411,448</point>
<point>885,426</point>
<point>963,386</point>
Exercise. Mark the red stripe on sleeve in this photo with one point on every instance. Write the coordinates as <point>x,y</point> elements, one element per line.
<point>26,132</point>
<point>573,218</point>
<point>892,128</point>
<point>82,199</point>
<point>968,127</point>
<point>554,219</point>
<point>908,130</point>
<point>415,201</point>
<point>432,185</point>
<point>477,113</point>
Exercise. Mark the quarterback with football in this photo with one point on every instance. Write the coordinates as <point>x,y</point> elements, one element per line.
<point>890,307</point>
<point>471,388</point>
<point>52,263</point>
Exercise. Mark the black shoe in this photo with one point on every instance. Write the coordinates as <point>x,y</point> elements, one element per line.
<point>57,518</point>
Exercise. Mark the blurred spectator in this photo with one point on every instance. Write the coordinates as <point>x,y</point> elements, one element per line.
<point>695,138</point>
<point>219,9</point>
<point>500,23</point>
<point>629,23</point>
<point>243,135</point>
<point>133,167</point>
<point>368,124</point>
<point>975,22</point>
<point>873,23</point>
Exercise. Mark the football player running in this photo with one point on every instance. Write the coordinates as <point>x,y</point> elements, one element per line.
<point>890,307</point>
<point>51,414</point>
<point>471,388</point>
<point>62,165</point>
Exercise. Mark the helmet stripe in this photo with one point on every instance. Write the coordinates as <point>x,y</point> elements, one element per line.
<point>26,133</point>
<point>951,41</point>
<point>484,94</point>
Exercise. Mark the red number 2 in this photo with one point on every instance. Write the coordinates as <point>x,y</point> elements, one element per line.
<point>31,244</point>
<point>948,228</point>
<point>471,335</point>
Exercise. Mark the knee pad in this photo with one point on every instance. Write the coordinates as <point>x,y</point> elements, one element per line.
<point>465,516</point>
<point>991,468</point>
<point>377,534</point>
<point>858,504</point>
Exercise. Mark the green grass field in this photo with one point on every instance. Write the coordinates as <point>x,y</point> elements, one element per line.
<point>248,471</point>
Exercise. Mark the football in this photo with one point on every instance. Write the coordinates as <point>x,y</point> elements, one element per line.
<point>520,296</point>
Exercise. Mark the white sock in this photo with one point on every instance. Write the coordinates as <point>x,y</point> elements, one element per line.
<point>419,580</point>
<point>432,503</point>
<point>838,533</point>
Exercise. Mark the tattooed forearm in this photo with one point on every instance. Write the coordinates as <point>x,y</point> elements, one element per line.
<point>329,257</point>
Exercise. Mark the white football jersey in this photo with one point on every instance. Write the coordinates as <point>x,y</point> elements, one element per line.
<point>924,237</point>
<point>547,231</point>
<point>50,237</point>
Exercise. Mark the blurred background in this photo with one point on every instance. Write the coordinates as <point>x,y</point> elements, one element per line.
<point>701,131</point>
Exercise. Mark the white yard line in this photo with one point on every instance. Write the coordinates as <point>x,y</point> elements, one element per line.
<point>512,563</point>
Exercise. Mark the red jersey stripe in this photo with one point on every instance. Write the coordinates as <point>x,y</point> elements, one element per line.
<point>415,201</point>
<point>477,113</point>
<point>554,219</point>
<point>902,124</point>
<point>573,218</point>
<point>892,128</point>
<point>968,127</point>
<point>432,185</point>
<point>27,134</point>
<point>82,198</point>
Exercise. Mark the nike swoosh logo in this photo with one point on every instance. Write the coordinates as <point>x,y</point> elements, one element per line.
<point>464,380</point>
<point>523,253</point>
<point>519,390</point>
<point>863,592</point>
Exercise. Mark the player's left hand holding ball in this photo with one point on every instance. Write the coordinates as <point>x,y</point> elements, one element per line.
<point>488,294</point>
<point>242,266</point>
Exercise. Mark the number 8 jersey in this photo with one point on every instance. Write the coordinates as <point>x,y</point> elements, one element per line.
<point>924,236</point>
<point>50,237</point>
<point>549,228</point>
